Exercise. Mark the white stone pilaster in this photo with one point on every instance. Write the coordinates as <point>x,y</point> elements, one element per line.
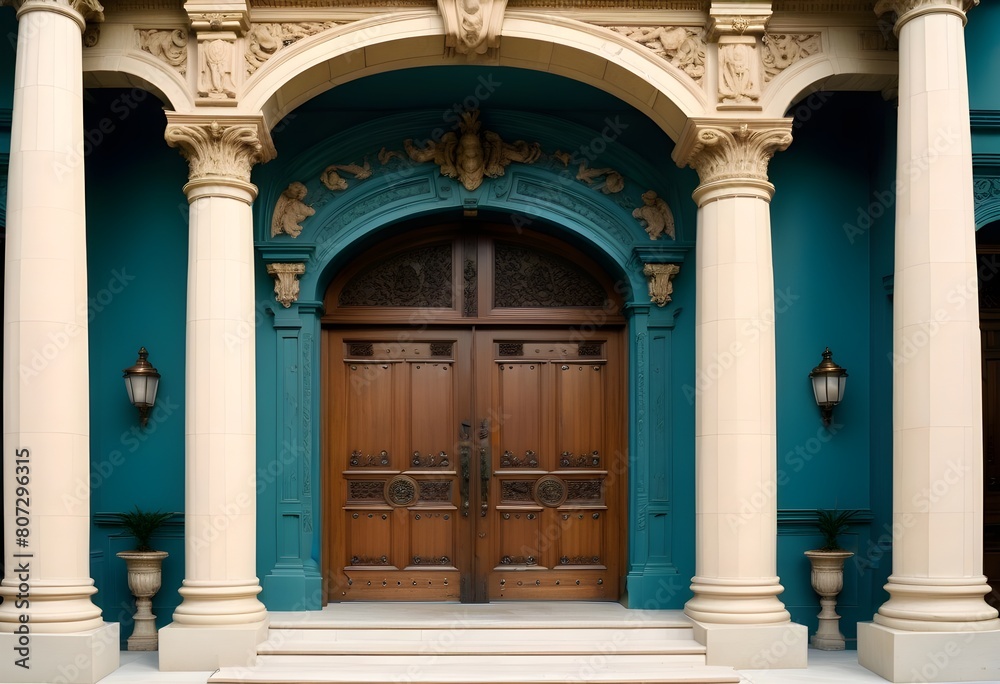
<point>937,585</point>
<point>47,609</point>
<point>220,621</point>
<point>735,602</point>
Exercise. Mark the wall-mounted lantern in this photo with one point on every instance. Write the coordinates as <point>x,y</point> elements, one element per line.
<point>141,381</point>
<point>828,382</point>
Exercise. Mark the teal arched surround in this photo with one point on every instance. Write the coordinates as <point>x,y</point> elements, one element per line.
<point>545,197</point>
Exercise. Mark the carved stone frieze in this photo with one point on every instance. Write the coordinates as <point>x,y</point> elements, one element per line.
<point>471,27</point>
<point>781,50</point>
<point>224,150</point>
<point>655,216</point>
<point>721,150</point>
<point>334,181</point>
<point>739,72</point>
<point>265,39</point>
<point>469,156</point>
<point>286,281</point>
<point>290,211</point>
<point>167,45</point>
<point>682,46</point>
<point>660,279</point>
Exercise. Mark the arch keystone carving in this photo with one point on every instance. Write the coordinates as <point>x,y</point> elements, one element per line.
<point>472,27</point>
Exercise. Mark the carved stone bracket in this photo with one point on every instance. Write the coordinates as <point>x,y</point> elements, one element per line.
<point>472,27</point>
<point>749,18</point>
<point>214,149</point>
<point>721,150</point>
<point>682,46</point>
<point>167,45</point>
<point>286,281</point>
<point>219,23</point>
<point>660,279</point>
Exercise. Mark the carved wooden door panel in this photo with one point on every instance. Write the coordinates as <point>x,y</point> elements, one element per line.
<point>398,452</point>
<point>550,517</point>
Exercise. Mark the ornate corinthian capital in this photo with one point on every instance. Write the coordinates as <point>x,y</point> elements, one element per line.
<point>220,147</point>
<point>722,150</point>
<point>89,10</point>
<point>909,9</point>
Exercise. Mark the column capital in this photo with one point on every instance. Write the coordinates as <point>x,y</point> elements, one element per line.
<point>81,11</point>
<point>911,9</point>
<point>737,18</point>
<point>731,155</point>
<point>220,149</point>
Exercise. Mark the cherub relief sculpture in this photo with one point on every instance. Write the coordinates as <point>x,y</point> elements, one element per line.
<point>655,216</point>
<point>290,211</point>
<point>469,156</point>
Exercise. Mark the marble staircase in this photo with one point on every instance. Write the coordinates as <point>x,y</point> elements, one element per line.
<point>498,643</point>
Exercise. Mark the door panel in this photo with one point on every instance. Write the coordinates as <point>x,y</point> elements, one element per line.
<point>399,532</point>
<point>524,505</point>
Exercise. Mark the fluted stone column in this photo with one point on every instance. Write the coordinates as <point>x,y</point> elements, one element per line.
<point>47,611</point>
<point>735,602</point>
<point>220,620</point>
<point>935,625</point>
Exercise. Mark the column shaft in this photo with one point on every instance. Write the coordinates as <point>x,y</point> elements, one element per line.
<point>937,582</point>
<point>46,399</point>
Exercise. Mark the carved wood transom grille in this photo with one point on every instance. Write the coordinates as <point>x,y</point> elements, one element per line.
<point>525,278</point>
<point>417,278</point>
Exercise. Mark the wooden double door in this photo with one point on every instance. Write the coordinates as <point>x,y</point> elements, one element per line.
<point>475,464</point>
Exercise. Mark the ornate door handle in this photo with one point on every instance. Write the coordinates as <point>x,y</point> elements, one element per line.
<point>485,463</point>
<point>465,453</point>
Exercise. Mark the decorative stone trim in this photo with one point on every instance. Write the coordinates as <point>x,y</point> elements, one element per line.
<point>744,19</point>
<point>781,50</point>
<point>333,180</point>
<point>219,22</point>
<point>909,9</point>
<point>660,280</point>
<point>682,46</point>
<point>167,45</point>
<point>221,150</point>
<point>739,73</point>
<point>721,149</point>
<point>89,10</point>
<point>286,281</point>
<point>471,28</point>
<point>264,40</point>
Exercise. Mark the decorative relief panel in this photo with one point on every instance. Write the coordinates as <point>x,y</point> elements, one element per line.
<point>379,460</point>
<point>682,46</point>
<point>263,40</point>
<point>366,490</point>
<point>369,560</point>
<point>529,279</point>
<point>570,460</point>
<point>739,71</point>
<point>613,181</point>
<point>781,50</point>
<point>216,60</point>
<point>435,491</point>
<point>516,490</point>
<point>580,560</point>
<point>418,278</point>
<point>333,181</point>
<point>583,490</point>
<point>550,491</point>
<point>655,216</point>
<point>431,560</point>
<point>439,460</point>
<point>509,460</point>
<point>401,491</point>
<point>168,45</point>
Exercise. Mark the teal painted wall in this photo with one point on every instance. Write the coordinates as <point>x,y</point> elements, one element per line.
<point>832,228</point>
<point>983,56</point>
<point>137,270</point>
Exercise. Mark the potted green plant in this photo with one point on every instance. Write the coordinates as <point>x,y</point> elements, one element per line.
<point>828,576</point>
<point>144,567</point>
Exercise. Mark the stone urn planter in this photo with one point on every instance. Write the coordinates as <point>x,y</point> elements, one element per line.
<point>144,575</point>
<point>827,581</point>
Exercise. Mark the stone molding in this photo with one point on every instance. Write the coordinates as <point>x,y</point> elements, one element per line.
<point>660,279</point>
<point>905,10</point>
<point>732,150</point>
<point>286,281</point>
<point>220,148</point>
<point>471,27</point>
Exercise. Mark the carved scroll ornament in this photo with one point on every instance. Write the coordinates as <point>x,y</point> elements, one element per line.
<point>472,26</point>
<point>782,50</point>
<point>286,281</point>
<point>660,279</point>
<point>263,40</point>
<point>167,45</point>
<point>334,181</point>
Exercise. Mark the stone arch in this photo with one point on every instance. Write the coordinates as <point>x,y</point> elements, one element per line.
<point>561,46</point>
<point>132,71</point>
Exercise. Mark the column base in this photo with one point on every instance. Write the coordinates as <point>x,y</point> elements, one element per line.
<point>903,656</point>
<point>754,647</point>
<point>209,647</point>
<point>74,658</point>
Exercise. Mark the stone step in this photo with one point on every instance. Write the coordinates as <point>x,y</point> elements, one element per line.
<point>463,640</point>
<point>483,669</point>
